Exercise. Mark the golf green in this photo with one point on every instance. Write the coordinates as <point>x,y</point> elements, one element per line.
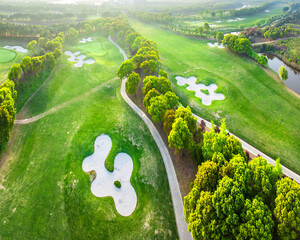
<point>7,55</point>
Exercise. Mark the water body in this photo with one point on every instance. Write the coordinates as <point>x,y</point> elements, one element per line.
<point>293,81</point>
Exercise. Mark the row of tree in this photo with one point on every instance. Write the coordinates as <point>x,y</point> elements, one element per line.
<point>8,95</point>
<point>235,199</point>
<point>240,44</point>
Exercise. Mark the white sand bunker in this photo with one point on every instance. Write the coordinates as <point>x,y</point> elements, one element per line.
<point>216,44</point>
<point>85,40</point>
<point>235,20</point>
<point>267,10</point>
<point>75,57</point>
<point>206,98</point>
<point>17,48</point>
<point>218,21</point>
<point>124,197</point>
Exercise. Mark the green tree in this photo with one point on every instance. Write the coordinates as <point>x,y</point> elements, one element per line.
<point>228,201</point>
<point>88,28</point>
<point>150,94</point>
<point>31,46</point>
<point>180,136</point>
<point>169,119</point>
<point>203,222</point>
<point>242,45</point>
<point>131,37</point>
<point>146,67</point>
<point>257,222</point>
<point>137,43</point>
<point>172,99</point>
<point>14,72</point>
<point>262,60</point>
<point>186,115</point>
<point>287,208</point>
<point>49,60</point>
<point>57,52</point>
<point>199,30</point>
<point>206,27</point>
<point>36,64</point>
<point>41,42</point>
<point>220,36</point>
<point>153,66</point>
<point>132,83</point>
<point>158,107</point>
<point>73,33</point>
<point>163,85</point>
<point>283,73</point>
<point>263,179</point>
<point>162,73</point>
<point>125,69</point>
<point>26,64</point>
<point>61,35</point>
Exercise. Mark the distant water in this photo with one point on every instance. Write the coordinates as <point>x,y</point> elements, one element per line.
<point>293,81</point>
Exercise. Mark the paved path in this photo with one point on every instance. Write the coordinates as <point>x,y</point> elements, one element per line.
<point>255,151</point>
<point>173,183</point>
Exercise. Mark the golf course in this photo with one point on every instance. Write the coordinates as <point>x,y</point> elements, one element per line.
<point>41,167</point>
<point>149,120</point>
<point>250,93</point>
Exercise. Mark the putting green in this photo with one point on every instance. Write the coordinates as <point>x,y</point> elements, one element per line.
<point>95,48</point>
<point>7,55</point>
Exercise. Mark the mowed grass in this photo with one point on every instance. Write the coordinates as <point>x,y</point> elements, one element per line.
<point>256,108</point>
<point>6,55</point>
<point>6,65</point>
<point>249,21</point>
<point>44,192</point>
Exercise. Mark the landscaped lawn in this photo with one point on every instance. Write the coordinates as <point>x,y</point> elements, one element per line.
<point>256,108</point>
<point>45,194</point>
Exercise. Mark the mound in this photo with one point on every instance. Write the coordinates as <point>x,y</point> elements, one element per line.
<point>94,48</point>
<point>7,55</point>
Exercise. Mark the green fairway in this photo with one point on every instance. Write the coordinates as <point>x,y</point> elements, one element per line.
<point>93,48</point>
<point>248,21</point>
<point>7,55</point>
<point>45,194</point>
<point>256,107</point>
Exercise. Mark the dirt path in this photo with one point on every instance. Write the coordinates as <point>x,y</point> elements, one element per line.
<point>260,43</point>
<point>63,105</point>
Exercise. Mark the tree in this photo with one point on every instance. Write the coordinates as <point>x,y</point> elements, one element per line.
<point>36,64</point>
<point>153,66</point>
<point>26,64</point>
<point>125,69</point>
<point>49,60</point>
<point>131,37</point>
<point>228,201</point>
<point>162,73</point>
<point>57,52</point>
<point>88,28</point>
<point>172,99</point>
<point>137,43</point>
<point>242,45</point>
<point>229,41</point>
<point>149,83</point>
<point>163,85</point>
<point>32,45</point>
<point>287,208</point>
<point>203,222</point>
<point>220,142</point>
<point>257,222</point>
<point>283,73</point>
<point>206,27</point>
<point>41,42</point>
<point>14,72</point>
<point>263,179</point>
<point>150,94</point>
<point>199,30</point>
<point>262,60</point>
<point>180,136</point>
<point>220,36</point>
<point>61,35</point>
<point>146,66</point>
<point>73,33</point>
<point>132,83</point>
<point>158,107</point>
<point>169,119</point>
<point>52,45</point>
<point>186,115</point>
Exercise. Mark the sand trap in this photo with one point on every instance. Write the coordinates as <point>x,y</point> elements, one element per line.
<point>216,44</point>
<point>267,11</point>
<point>17,48</point>
<point>218,21</point>
<point>206,99</point>
<point>85,40</point>
<point>235,20</point>
<point>79,59</point>
<point>125,197</point>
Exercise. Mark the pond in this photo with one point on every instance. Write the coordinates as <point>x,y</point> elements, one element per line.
<point>293,81</point>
